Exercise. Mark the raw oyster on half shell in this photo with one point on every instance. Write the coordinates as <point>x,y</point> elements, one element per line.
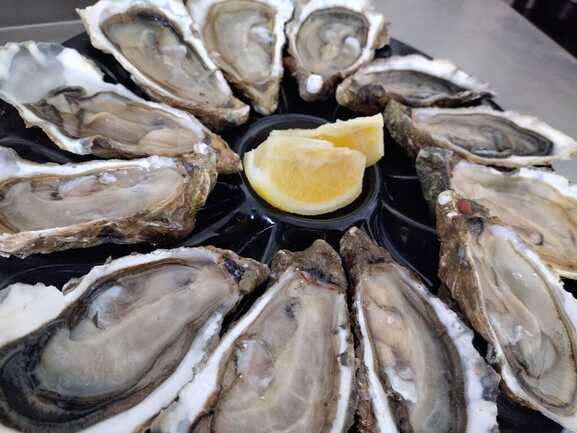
<point>538,204</point>
<point>412,80</point>
<point>329,40</point>
<point>419,370</point>
<point>51,207</point>
<point>245,38</point>
<point>117,345</point>
<point>155,42</point>
<point>286,366</point>
<point>517,303</point>
<point>479,134</point>
<point>84,114</point>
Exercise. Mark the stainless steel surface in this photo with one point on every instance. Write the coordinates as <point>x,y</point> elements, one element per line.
<point>48,32</point>
<point>20,12</point>
<point>531,73</point>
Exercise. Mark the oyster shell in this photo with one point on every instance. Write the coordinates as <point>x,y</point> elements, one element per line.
<point>329,40</point>
<point>50,207</point>
<point>479,134</point>
<point>154,41</point>
<point>538,204</point>
<point>245,38</point>
<point>516,303</point>
<point>84,114</point>
<point>420,371</point>
<point>116,347</point>
<point>24,308</point>
<point>287,365</point>
<point>412,80</point>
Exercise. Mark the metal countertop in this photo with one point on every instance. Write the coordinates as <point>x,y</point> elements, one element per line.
<point>487,38</point>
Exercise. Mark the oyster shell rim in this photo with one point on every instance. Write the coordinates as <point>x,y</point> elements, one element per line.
<point>254,276</point>
<point>228,161</point>
<point>436,67</point>
<point>480,379</point>
<point>414,138</point>
<point>377,37</point>
<point>284,8</point>
<point>449,220</point>
<point>201,177</point>
<point>285,266</point>
<point>175,11</point>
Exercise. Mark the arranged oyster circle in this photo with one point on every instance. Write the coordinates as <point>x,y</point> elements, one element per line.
<point>287,365</point>
<point>120,342</point>
<point>538,204</point>
<point>516,303</point>
<point>412,80</point>
<point>154,41</point>
<point>479,134</point>
<point>134,345</point>
<point>420,371</point>
<point>50,207</point>
<point>245,38</point>
<point>329,40</point>
<point>84,114</point>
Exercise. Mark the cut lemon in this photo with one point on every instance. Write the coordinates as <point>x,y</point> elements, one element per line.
<point>303,175</point>
<point>364,134</point>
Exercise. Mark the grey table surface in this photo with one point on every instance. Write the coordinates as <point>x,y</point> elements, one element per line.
<point>487,38</point>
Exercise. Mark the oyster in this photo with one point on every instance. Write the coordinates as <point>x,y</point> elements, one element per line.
<point>24,308</point>
<point>538,204</point>
<point>84,114</point>
<point>50,207</point>
<point>287,365</point>
<point>118,345</point>
<point>245,38</point>
<point>479,134</point>
<point>516,303</point>
<point>329,40</point>
<point>412,80</point>
<point>154,41</point>
<point>420,372</point>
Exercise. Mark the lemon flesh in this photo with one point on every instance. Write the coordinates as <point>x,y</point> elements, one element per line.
<point>364,134</point>
<point>305,176</point>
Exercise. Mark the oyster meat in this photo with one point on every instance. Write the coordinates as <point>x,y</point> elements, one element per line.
<point>479,134</point>
<point>538,204</point>
<point>329,40</point>
<point>119,343</point>
<point>84,114</point>
<point>420,372</point>
<point>412,80</point>
<point>245,38</point>
<point>50,207</point>
<point>516,303</point>
<point>154,41</point>
<point>286,366</point>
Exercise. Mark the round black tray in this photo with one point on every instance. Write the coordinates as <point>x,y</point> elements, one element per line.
<point>391,207</point>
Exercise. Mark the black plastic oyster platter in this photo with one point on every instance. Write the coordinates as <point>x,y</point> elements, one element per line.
<point>391,209</point>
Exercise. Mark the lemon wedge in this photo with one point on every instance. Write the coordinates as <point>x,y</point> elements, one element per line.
<point>305,176</point>
<point>364,134</point>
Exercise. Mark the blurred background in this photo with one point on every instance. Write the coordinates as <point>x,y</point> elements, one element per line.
<point>557,18</point>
